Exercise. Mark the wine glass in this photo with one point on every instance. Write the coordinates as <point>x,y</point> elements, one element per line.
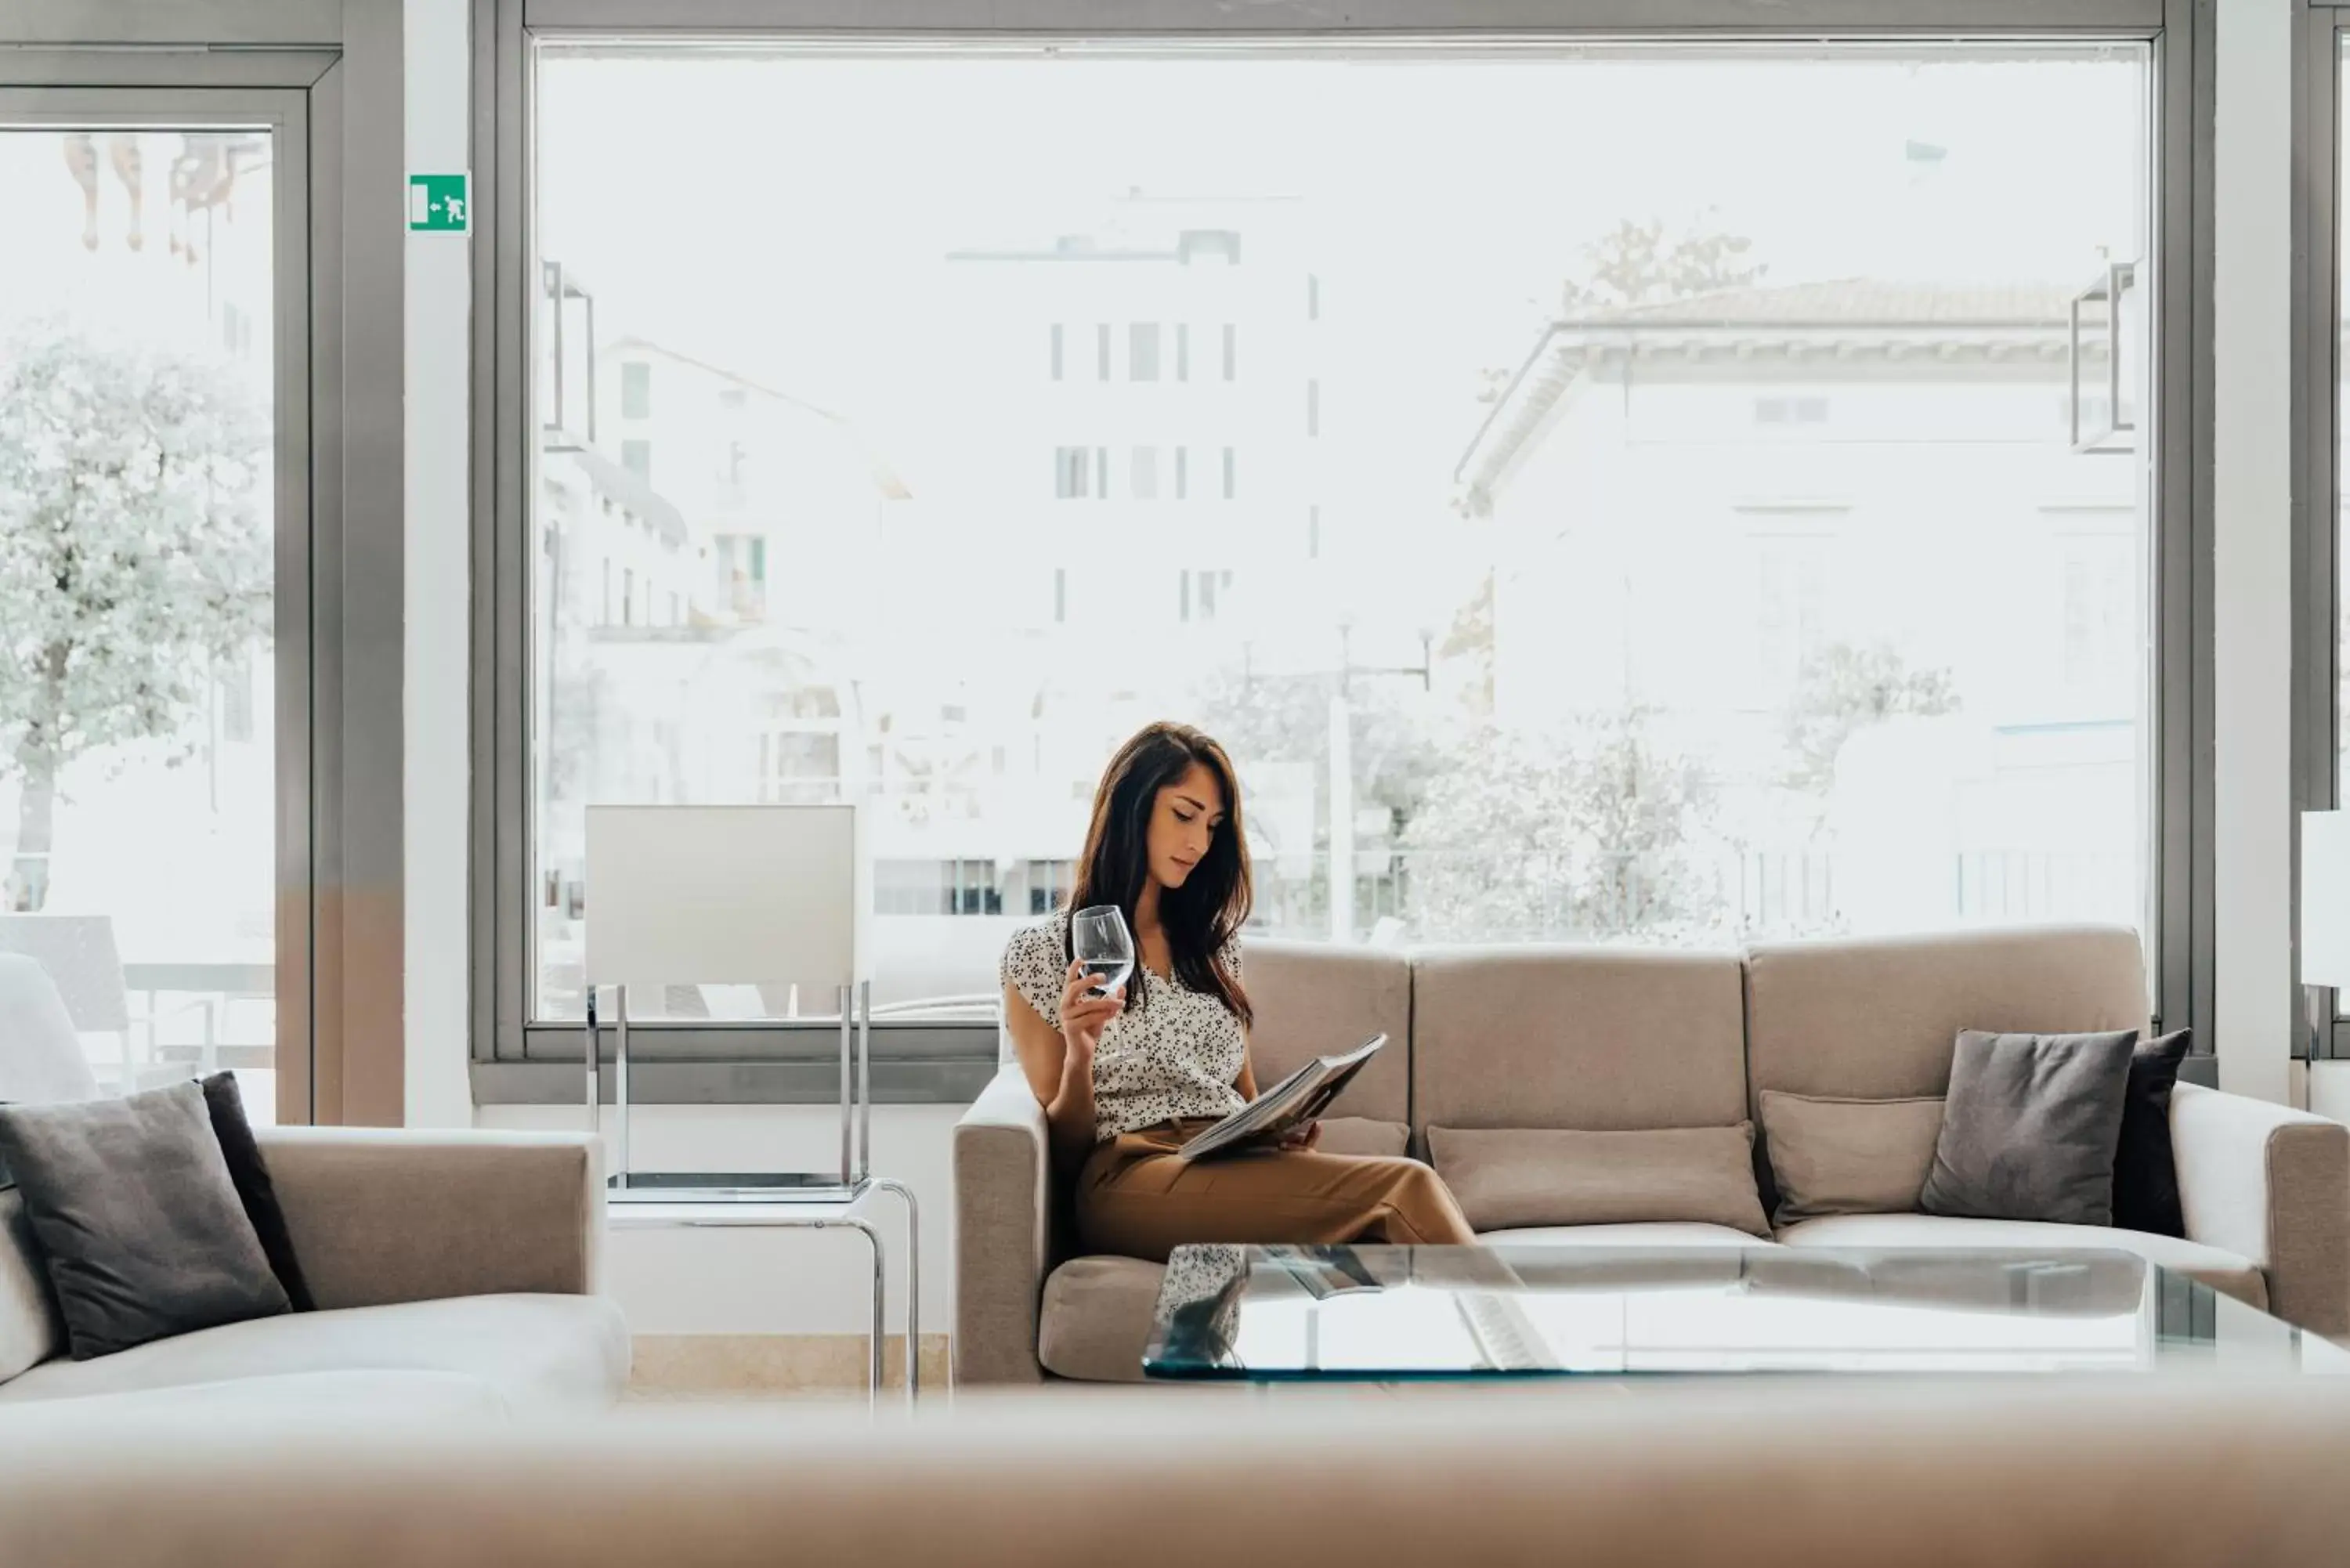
<point>1103,945</point>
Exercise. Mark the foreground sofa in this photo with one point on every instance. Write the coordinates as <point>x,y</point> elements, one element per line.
<point>1773,1474</point>
<point>454,1273</point>
<point>1609,1039</point>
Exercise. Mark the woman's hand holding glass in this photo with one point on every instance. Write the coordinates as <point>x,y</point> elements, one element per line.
<point>1084,1015</point>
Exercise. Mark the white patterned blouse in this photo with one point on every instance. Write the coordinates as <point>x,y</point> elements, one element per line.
<point>1175,1055</point>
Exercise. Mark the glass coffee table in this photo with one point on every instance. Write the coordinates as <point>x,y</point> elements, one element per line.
<point>1269,1314</point>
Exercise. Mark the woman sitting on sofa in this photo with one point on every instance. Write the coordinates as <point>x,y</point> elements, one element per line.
<point>1124,1086</point>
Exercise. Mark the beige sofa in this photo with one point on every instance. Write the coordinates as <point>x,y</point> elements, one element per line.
<point>455,1273</point>
<point>1605,1039</point>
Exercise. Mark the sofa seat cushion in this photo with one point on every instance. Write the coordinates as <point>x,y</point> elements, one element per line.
<point>2230,1273</point>
<point>322,1399</point>
<point>1094,1321</point>
<point>538,1352</point>
<point>1674,1234</point>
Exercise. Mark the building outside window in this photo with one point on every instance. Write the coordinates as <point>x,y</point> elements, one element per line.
<point>1142,474</point>
<point>1058,333</point>
<point>636,390</point>
<point>637,457</point>
<point>1142,352</point>
<point>1231,351</point>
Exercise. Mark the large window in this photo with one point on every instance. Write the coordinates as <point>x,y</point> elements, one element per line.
<point>1728,515</point>
<point>139,829</point>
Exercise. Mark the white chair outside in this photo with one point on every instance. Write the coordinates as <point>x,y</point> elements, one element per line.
<point>774,898</point>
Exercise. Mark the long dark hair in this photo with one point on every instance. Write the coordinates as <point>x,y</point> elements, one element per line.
<point>1208,910</point>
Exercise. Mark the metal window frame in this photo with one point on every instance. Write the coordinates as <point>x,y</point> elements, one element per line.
<point>935,1062</point>
<point>325,76</point>
<point>2321,32</point>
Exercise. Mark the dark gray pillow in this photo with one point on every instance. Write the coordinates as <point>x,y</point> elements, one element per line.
<point>139,1225</point>
<point>2029,1126</point>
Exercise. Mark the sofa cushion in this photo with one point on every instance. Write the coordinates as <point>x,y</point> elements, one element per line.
<point>1365,1135</point>
<point>140,1227</point>
<point>1594,1039</point>
<point>1831,1156</point>
<point>1875,1019</point>
<point>322,1400</point>
<point>2227,1273</point>
<point>1313,998</point>
<point>1677,1234</point>
<point>30,1331</point>
<point>1095,1322</point>
<point>2030,1127</point>
<point>2146,1167</point>
<point>536,1351</point>
<point>1550,1176</point>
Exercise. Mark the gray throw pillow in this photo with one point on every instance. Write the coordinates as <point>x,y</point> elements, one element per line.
<point>139,1224</point>
<point>2029,1126</point>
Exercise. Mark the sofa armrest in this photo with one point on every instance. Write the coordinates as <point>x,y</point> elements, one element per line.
<point>2273,1184</point>
<point>1003,1218</point>
<point>381,1215</point>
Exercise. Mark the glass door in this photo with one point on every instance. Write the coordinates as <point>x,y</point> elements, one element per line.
<point>143,530</point>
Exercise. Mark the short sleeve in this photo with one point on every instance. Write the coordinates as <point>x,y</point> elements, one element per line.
<point>1033,966</point>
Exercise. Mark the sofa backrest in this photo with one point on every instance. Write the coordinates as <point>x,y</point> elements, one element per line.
<point>1875,1019</point>
<point>1592,1039</point>
<point>1313,998</point>
<point>29,1331</point>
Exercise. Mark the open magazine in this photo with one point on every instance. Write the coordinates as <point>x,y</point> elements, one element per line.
<point>1297,1099</point>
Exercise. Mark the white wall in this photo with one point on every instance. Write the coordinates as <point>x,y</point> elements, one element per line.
<point>738,1281</point>
<point>2251,571</point>
<point>435,775</point>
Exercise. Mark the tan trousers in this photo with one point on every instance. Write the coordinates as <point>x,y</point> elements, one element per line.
<point>1135,1197</point>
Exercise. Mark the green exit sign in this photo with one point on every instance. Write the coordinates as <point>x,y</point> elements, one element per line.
<point>440,202</point>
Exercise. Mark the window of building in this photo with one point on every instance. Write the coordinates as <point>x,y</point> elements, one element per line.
<point>2100,578</point>
<point>1313,297</point>
<point>1182,351</point>
<point>1231,351</point>
<point>1058,334</point>
<point>1142,352</point>
<point>1049,883</point>
<point>636,390</point>
<point>628,596</point>
<point>732,400</point>
<point>741,575</point>
<point>637,457</point>
<point>1060,595</point>
<point>1314,408</point>
<point>1101,352</point>
<point>1232,474</point>
<point>1791,627</point>
<point>1101,473</point>
<point>1073,473</point>
<point>1791,410</point>
<point>936,887</point>
<point>1314,533</point>
<point>1142,474</point>
<point>1201,593</point>
<point>1182,472</point>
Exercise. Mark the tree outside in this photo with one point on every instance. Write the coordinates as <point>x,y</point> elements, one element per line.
<point>1844,690</point>
<point>134,559</point>
<point>1591,830</point>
